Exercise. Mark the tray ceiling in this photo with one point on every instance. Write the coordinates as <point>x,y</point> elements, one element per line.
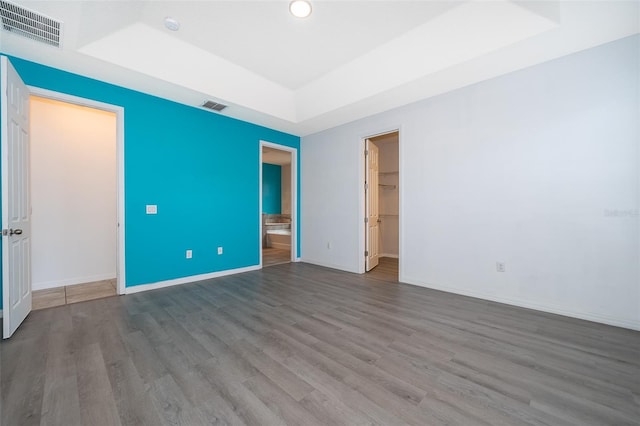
<point>349,59</point>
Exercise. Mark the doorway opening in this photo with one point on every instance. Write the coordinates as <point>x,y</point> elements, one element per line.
<point>74,199</point>
<point>17,212</point>
<point>278,204</point>
<point>382,206</point>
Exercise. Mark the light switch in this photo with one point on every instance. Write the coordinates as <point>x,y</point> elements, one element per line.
<point>152,209</point>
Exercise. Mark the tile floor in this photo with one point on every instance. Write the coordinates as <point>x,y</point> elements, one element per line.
<point>73,294</point>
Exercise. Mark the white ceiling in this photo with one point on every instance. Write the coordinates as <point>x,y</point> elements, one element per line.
<point>348,60</point>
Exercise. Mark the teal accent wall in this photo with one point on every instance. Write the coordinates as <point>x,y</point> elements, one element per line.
<point>271,188</point>
<point>199,167</point>
<point>2,225</point>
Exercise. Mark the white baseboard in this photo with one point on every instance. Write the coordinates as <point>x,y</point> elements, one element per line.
<point>71,281</point>
<point>552,309</point>
<point>190,279</point>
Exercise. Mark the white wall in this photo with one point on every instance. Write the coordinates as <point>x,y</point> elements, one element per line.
<point>74,194</point>
<point>537,169</point>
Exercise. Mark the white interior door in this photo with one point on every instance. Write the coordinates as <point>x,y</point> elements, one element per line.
<point>372,233</point>
<point>16,204</point>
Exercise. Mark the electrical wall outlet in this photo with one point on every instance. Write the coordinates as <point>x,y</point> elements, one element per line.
<point>189,254</point>
<point>152,209</point>
<point>219,250</point>
<point>500,267</point>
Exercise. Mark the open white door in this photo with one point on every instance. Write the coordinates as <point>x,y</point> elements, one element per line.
<point>16,202</point>
<point>372,219</point>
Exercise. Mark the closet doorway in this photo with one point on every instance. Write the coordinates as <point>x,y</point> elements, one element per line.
<point>382,206</point>
<point>75,199</point>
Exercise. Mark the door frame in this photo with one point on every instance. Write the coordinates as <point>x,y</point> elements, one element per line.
<point>362,199</point>
<point>119,112</point>
<point>294,196</point>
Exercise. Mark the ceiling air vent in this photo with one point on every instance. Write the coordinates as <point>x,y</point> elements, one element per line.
<point>213,106</point>
<point>30,24</point>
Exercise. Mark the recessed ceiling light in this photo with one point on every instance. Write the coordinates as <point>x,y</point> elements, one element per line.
<point>300,8</point>
<point>171,24</point>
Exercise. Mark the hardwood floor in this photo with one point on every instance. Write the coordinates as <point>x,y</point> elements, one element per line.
<point>273,256</point>
<point>387,270</point>
<point>304,345</point>
<point>73,294</point>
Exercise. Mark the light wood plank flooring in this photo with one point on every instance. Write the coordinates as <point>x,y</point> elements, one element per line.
<point>52,297</point>
<point>273,256</point>
<point>304,345</point>
<point>387,270</point>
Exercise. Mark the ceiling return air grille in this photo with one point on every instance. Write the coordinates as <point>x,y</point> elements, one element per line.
<point>30,24</point>
<point>215,106</point>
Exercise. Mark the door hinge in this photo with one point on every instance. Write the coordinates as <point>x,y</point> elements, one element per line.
<point>366,152</point>
<point>366,185</point>
<point>366,253</point>
<point>366,220</point>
